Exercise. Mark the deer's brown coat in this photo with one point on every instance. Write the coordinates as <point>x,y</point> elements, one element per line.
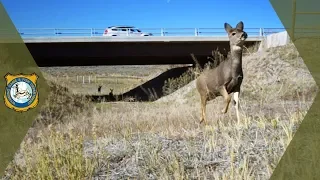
<point>227,77</point>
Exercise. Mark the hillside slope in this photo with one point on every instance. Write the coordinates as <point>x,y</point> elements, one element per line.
<point>270,74</point>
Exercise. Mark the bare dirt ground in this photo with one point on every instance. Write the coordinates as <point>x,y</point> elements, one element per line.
<point>75,139</point>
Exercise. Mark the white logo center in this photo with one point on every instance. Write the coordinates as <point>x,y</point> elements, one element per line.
<point>21,92</point>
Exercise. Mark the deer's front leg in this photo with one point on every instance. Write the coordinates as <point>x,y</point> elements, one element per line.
<point>227,99</point>
<point>236,99</point>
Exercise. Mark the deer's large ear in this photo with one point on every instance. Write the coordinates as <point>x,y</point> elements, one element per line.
<point>240,26</point>
<point>227,27</point>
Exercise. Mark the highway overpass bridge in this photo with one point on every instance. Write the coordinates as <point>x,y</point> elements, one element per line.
<point>125,51</point>
<point>87,49</point>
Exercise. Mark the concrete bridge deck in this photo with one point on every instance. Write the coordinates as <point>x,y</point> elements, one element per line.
<point>88,51</point>
<point>133,39</point>
<point>89,46</point>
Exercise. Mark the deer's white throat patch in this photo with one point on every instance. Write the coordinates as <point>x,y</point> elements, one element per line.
<point>236,48</point>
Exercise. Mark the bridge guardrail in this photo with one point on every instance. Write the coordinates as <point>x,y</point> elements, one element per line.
<point>87,32</point>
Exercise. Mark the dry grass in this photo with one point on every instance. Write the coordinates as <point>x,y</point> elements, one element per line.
<point>119,84</point>
<point>145,141</point>
<point>118,78</point>
<point>164,140</point>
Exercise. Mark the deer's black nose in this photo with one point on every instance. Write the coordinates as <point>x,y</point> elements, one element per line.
<point>244,35</point>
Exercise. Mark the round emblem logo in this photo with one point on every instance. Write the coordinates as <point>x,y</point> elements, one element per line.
<point>21,92</point>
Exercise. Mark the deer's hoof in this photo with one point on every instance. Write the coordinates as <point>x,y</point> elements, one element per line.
<point>202,121</point>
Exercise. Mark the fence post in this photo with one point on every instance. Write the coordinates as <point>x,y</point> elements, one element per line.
<point>77,78</point>
<point>260,32</point>
<point>82,79</point>
<point>89,79</point>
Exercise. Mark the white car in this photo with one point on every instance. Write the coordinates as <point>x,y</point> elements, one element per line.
<point>124,31</point>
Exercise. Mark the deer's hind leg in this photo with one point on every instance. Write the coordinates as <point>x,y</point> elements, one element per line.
<point>227,98</point>
<point>204,100</point>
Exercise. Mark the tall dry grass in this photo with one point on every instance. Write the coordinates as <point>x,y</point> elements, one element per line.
<point>149,141</point>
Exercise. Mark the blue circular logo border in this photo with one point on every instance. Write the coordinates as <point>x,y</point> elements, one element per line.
<point>30,83</point>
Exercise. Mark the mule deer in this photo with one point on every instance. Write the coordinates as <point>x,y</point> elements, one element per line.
<point>99,89</point>
<point>227,77</point>
<point>111,96</point>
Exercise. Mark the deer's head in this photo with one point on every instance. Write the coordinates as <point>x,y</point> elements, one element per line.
<point>236,35</point>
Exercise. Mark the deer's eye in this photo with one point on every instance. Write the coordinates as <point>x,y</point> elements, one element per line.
<point>233,33</point>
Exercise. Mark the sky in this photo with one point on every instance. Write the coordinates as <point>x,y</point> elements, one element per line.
<point>141,13</point>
